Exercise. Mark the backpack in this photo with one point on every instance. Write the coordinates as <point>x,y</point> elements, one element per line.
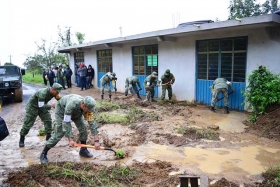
<point>4,132</point>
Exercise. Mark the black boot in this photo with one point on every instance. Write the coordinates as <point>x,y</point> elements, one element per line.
<point>43,156</point>
<point>170,98</point>
<point>84,152</point>
<point>138,95</point>
<point>110,96</point>
<point>48,136</point>
<point>21,141</point>
<point>153,100</point>
<point>226,111</point>
<point>212,109</point>
<point>102,97</point>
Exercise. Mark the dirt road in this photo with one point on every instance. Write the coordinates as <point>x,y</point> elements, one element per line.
<point>235,155</point>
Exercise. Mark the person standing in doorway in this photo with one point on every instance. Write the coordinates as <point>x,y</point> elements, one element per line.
<point>90,76</point>
<point>82,71</point>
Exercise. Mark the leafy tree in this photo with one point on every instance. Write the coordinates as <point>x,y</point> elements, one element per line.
<point>64,38</point>
<point>248,8</point>
<point>80,37</point>
<point>263,90</point>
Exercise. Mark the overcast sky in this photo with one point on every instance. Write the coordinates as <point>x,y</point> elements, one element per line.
<point>24,22</point>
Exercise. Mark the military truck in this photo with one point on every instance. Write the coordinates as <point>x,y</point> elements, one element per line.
<point>11,82</point>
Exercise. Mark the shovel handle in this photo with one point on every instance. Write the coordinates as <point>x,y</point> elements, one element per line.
<point>92,146</point>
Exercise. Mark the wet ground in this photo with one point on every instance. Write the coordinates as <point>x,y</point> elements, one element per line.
<point>236,155</point>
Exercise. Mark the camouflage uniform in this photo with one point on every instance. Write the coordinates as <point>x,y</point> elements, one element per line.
<point>105,80</point>
<point>149,83</point>
<point>220,85</point>
<point>37,105</point>
<point>168,79</point>
<point>130,83</point>
<point>70,105</point>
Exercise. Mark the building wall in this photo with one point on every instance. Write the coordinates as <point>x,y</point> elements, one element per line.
<point>180,58</point>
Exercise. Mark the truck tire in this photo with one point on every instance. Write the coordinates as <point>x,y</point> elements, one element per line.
<point>18,95</point>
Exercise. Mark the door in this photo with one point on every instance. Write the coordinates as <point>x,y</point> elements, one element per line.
<point>224,58</point>
<point>145,61</point>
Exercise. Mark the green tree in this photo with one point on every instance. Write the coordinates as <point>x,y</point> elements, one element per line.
<point>80,37</point>
<point>248,8</point>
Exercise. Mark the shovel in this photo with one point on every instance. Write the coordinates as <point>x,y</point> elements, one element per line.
<point>91,146</point>
<point>219,99</point>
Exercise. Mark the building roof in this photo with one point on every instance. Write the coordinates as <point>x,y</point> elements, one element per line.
<point>170,35</point>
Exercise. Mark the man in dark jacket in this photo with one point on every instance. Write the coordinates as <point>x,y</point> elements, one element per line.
<point>68,73</point>
<point>50,76</point>
<point>90,75</point>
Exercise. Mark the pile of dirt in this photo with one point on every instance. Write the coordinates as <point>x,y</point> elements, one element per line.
<point>154,174</point>
<point>267,125</point>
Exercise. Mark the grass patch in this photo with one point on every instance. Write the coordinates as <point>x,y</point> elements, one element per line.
<point>196,133</point>
<point>104,118</point>
<point>272,176</point>
<point>106,106</point>
<point>31,78</point>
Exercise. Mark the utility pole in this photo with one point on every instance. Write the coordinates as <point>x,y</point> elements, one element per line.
<point>10,59</point>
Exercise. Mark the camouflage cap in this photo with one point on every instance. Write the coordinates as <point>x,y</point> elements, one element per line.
<point>114,74</point>
<point>90,103</point>
<point>167,72</point>
<point>57,87</point>
<point>154,73</point>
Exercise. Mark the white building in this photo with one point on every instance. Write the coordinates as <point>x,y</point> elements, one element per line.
<point>196,54</point>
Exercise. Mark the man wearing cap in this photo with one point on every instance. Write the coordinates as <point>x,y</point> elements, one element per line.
<point>167,79</point>
<point>38,105</point>
<point>130,83</point>
<point>105,80</point>
<point>149,83</point>
<point>73,107</point>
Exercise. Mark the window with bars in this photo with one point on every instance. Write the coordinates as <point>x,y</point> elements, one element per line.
<point>145,59</point>
<point>104,60</point>
<point>79,58</point>
<point>222,58</point>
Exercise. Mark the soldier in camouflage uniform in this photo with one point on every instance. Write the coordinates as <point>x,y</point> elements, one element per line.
<point>130,83</point>
<point>149,83</point>
<point>76,108</point>
<point>167,79</point>
<point>105,80</point>
<point>37,105</point>
<point>220,85</point>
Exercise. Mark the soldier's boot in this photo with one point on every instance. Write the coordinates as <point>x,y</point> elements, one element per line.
<point>138,95</point>
<point>153,100</point>
<point>110,97</point>
<point>170,98</point>
<point>48,136</point>
<point>43,156</point>
<point>125,94</point>
<point>84,152</point>
<point>226,111</point>
<point>21,141</point>
<point>102,97</point>
<point>212,109</point>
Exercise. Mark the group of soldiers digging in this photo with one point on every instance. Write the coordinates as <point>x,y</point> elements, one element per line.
<point>76,108</point>
<point>132,84</point>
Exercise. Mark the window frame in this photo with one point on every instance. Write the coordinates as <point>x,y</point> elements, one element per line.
<point>105,62</point>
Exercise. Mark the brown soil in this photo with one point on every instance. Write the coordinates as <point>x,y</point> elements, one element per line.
<point>267,125</point>
<point>157,127</point>
<point>155,174</point>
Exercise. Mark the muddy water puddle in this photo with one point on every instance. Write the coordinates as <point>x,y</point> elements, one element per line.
<point>249,160</point>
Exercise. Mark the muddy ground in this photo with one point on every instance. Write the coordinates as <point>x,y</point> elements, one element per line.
<point>164,140</point>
